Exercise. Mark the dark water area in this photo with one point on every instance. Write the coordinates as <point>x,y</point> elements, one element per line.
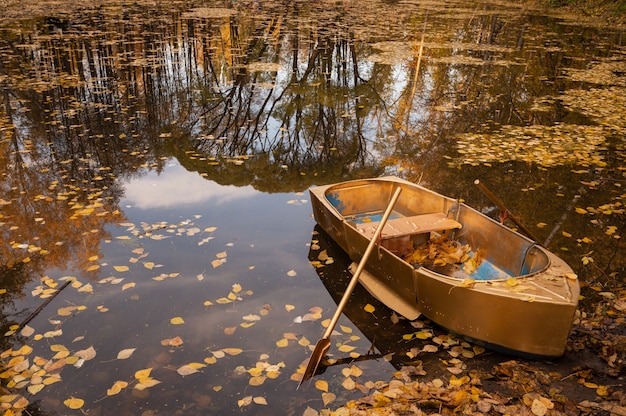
<point>158,156</point>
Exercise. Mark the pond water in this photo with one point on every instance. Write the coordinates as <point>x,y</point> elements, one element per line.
<point>157,156</point>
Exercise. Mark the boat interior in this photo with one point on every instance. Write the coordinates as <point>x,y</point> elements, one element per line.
<point>422,219</point>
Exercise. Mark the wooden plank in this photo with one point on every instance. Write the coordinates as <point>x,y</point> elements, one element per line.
<point>416,224</point>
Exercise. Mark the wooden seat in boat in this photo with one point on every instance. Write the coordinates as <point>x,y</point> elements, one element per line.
<point>399,234</point>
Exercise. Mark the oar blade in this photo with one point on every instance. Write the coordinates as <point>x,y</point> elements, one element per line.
<point>321,348</point>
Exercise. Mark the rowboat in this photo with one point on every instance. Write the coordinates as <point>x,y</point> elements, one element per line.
<point>442,259</point>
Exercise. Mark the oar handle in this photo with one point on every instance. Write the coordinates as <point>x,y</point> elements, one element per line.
<point>355,277</point>
<point>503,208</point>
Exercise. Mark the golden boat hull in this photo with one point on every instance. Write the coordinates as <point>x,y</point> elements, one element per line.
<point>519,297</point>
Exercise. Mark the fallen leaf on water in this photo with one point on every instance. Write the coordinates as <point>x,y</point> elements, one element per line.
<point>74,403</point>
<point>143,374</point>
<point>257,381</point>
<point>116,388</point>
<point>321,385</point>
<point>187,369</point>
<point>369,308</point>
<point>177,320</point>
<point>121,269</point>
<point>328,398</point>
<point>86,354</point>
<point>260,400</point>
<point>232,351</point>
<point>126,353</point>
<point>245,401</point>
<point>292,273</point>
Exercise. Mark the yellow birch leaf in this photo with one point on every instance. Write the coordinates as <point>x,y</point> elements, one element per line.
<point>236,288</point>
<point>121,269</point>
<point>348,384</point>
<point>116,388</point>
<point>369,308</point>
<point>210,360</point>
<point>232,351</point>
<point>304,341</point>
<point>128,286</point>
<point>581,210</point>
<point>35,388</point>
<point>148,265</point>
<point>346,348</point>
<point>282,343</point>
<point>74,403</point>
<point>328,398</point>
<point>260,400</point>
<point>346,329</point>
<point>289,308</point>
<point>177,320</point>
<point>124,354</point>
<point>257,381</point>
<point>321,385</point>
<point>143,374</point>
<point>245,401</point>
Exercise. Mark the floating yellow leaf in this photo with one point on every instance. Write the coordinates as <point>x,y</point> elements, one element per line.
<point>121,269</point>
<point>580,210</point>
<point>245,401</point>
<point>346,348</point>
<point>289,308</point>
<point>146,383</point>
<point>35,388</point>
<point>236,288</point>
<point>321,385</point>
<point>328,398</point>
<point>116,388</point>
<point>257,381</point>
<point>177,320</point>
<point>143,374</point>
<point>282,343</point>
<point>369,308</point>
<point>349,384</point>
<point>186,370</point>
<point>346,329</point>
<point>128,286</point>
<point>74,403</point>
<point>124,354</point>
<point>148,265</point>
<point>232,351</point>
<point>260,400</point>
<point>86,354</point>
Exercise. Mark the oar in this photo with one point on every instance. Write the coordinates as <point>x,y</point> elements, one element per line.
<point>504,209</point>
<point>323,344</point>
